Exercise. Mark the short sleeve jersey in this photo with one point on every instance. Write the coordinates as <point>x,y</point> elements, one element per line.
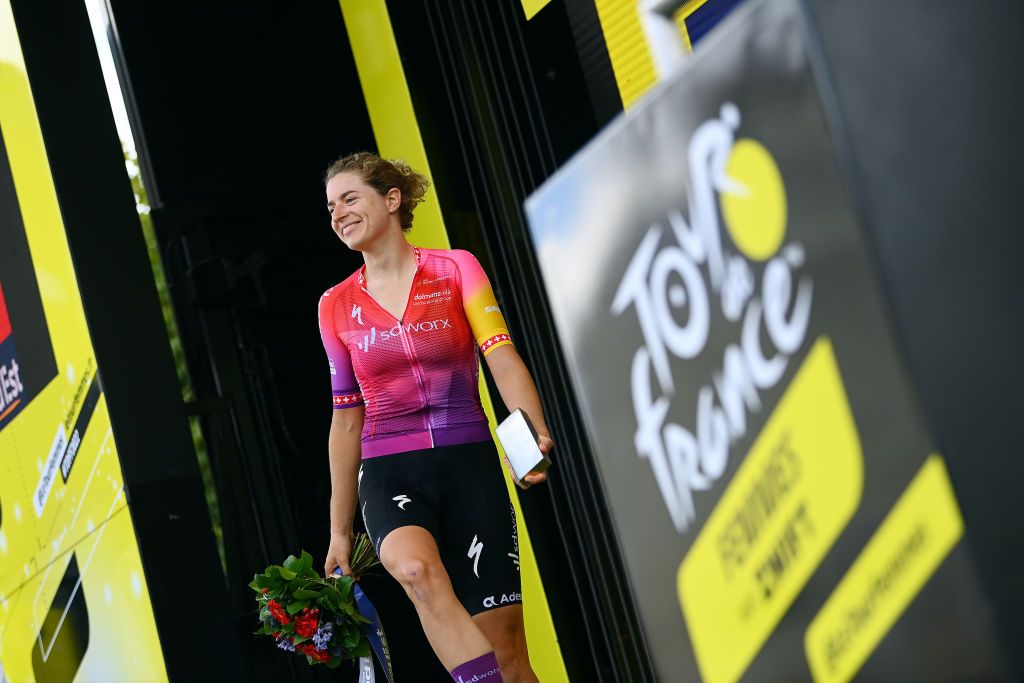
<point>417,376</point>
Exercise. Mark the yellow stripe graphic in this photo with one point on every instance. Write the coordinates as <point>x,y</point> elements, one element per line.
<point>627,44</point>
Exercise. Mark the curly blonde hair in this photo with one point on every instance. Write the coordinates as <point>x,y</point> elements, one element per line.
<point>382,175</point>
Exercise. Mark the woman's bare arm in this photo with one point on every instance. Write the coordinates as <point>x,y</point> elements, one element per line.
<point>518,390</point>
<point>344,452</point>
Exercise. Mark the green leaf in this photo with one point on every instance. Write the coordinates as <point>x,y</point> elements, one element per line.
<point>305,594</point>
<point>306,560</point>
<point>286,574</point>
<point>360,650</point>
<point>333,601</point>
<point>297,606</point>
<point>333,664</point>
<point>293,564</point>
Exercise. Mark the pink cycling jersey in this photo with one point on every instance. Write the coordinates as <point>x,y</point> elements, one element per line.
<point>417,376</point>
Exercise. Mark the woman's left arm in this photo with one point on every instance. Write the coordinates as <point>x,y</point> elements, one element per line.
<point>518,391</point>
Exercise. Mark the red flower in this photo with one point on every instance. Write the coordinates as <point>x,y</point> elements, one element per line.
<point>306,625</point>
<point>309,649</point>
<point>266,590</point>
<point>278,612</point>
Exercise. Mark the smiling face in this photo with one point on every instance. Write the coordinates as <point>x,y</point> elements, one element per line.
<point>359,214</point>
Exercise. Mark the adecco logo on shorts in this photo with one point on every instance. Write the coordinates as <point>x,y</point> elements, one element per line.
<point>509,599</point>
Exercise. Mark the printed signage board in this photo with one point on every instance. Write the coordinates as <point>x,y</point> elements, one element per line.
<point>74,603</point>
<point>781,508</point>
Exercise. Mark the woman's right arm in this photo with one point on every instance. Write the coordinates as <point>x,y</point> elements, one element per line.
<point>344,452</point>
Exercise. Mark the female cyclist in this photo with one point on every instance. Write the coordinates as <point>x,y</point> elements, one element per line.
<point>409,439</point>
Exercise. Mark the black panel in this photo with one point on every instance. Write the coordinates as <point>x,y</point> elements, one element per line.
<point>241,106</point>
<point>246,100</point>
<point>63,638</point>
<point>933,112</point>
<point>594,60</point>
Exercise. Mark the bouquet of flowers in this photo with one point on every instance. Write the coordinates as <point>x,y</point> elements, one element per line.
<point>312,615</point>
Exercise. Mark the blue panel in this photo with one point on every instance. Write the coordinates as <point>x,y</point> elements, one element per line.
<point>707,16</point>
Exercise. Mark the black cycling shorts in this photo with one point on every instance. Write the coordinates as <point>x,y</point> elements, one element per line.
<point>458,494</point>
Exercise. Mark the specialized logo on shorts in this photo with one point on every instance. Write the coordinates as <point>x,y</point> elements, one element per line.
<point>510,599</point>
<point>475,548</point>
<point>402,499</point>
<point>491,309</point>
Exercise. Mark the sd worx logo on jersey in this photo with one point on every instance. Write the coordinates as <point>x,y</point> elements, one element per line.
<point>735,183</point>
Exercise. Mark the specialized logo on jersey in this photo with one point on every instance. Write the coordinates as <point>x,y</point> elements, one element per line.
<point>475,548</point>
<point>402,500</point>
<point>357,313</point>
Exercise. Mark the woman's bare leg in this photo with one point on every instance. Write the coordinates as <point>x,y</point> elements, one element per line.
<point>503,628</point>
<point>410,554</point>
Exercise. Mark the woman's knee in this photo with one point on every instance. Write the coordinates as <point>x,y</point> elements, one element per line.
<point>417,576</point>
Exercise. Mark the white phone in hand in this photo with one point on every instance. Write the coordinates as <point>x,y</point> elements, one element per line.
<point>518,438</point>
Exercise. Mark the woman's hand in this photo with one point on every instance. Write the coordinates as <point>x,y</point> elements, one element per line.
<point>339,553</point>
<point>545,443</point>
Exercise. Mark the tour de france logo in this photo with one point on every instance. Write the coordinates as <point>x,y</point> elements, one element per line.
<point>754,276</point>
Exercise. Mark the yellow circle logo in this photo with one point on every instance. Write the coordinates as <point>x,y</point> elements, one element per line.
<point>754,208</point>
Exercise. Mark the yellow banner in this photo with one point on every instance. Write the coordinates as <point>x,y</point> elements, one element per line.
<point>789,501</point>
<point>74,603</point>
<point>911,543</point>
